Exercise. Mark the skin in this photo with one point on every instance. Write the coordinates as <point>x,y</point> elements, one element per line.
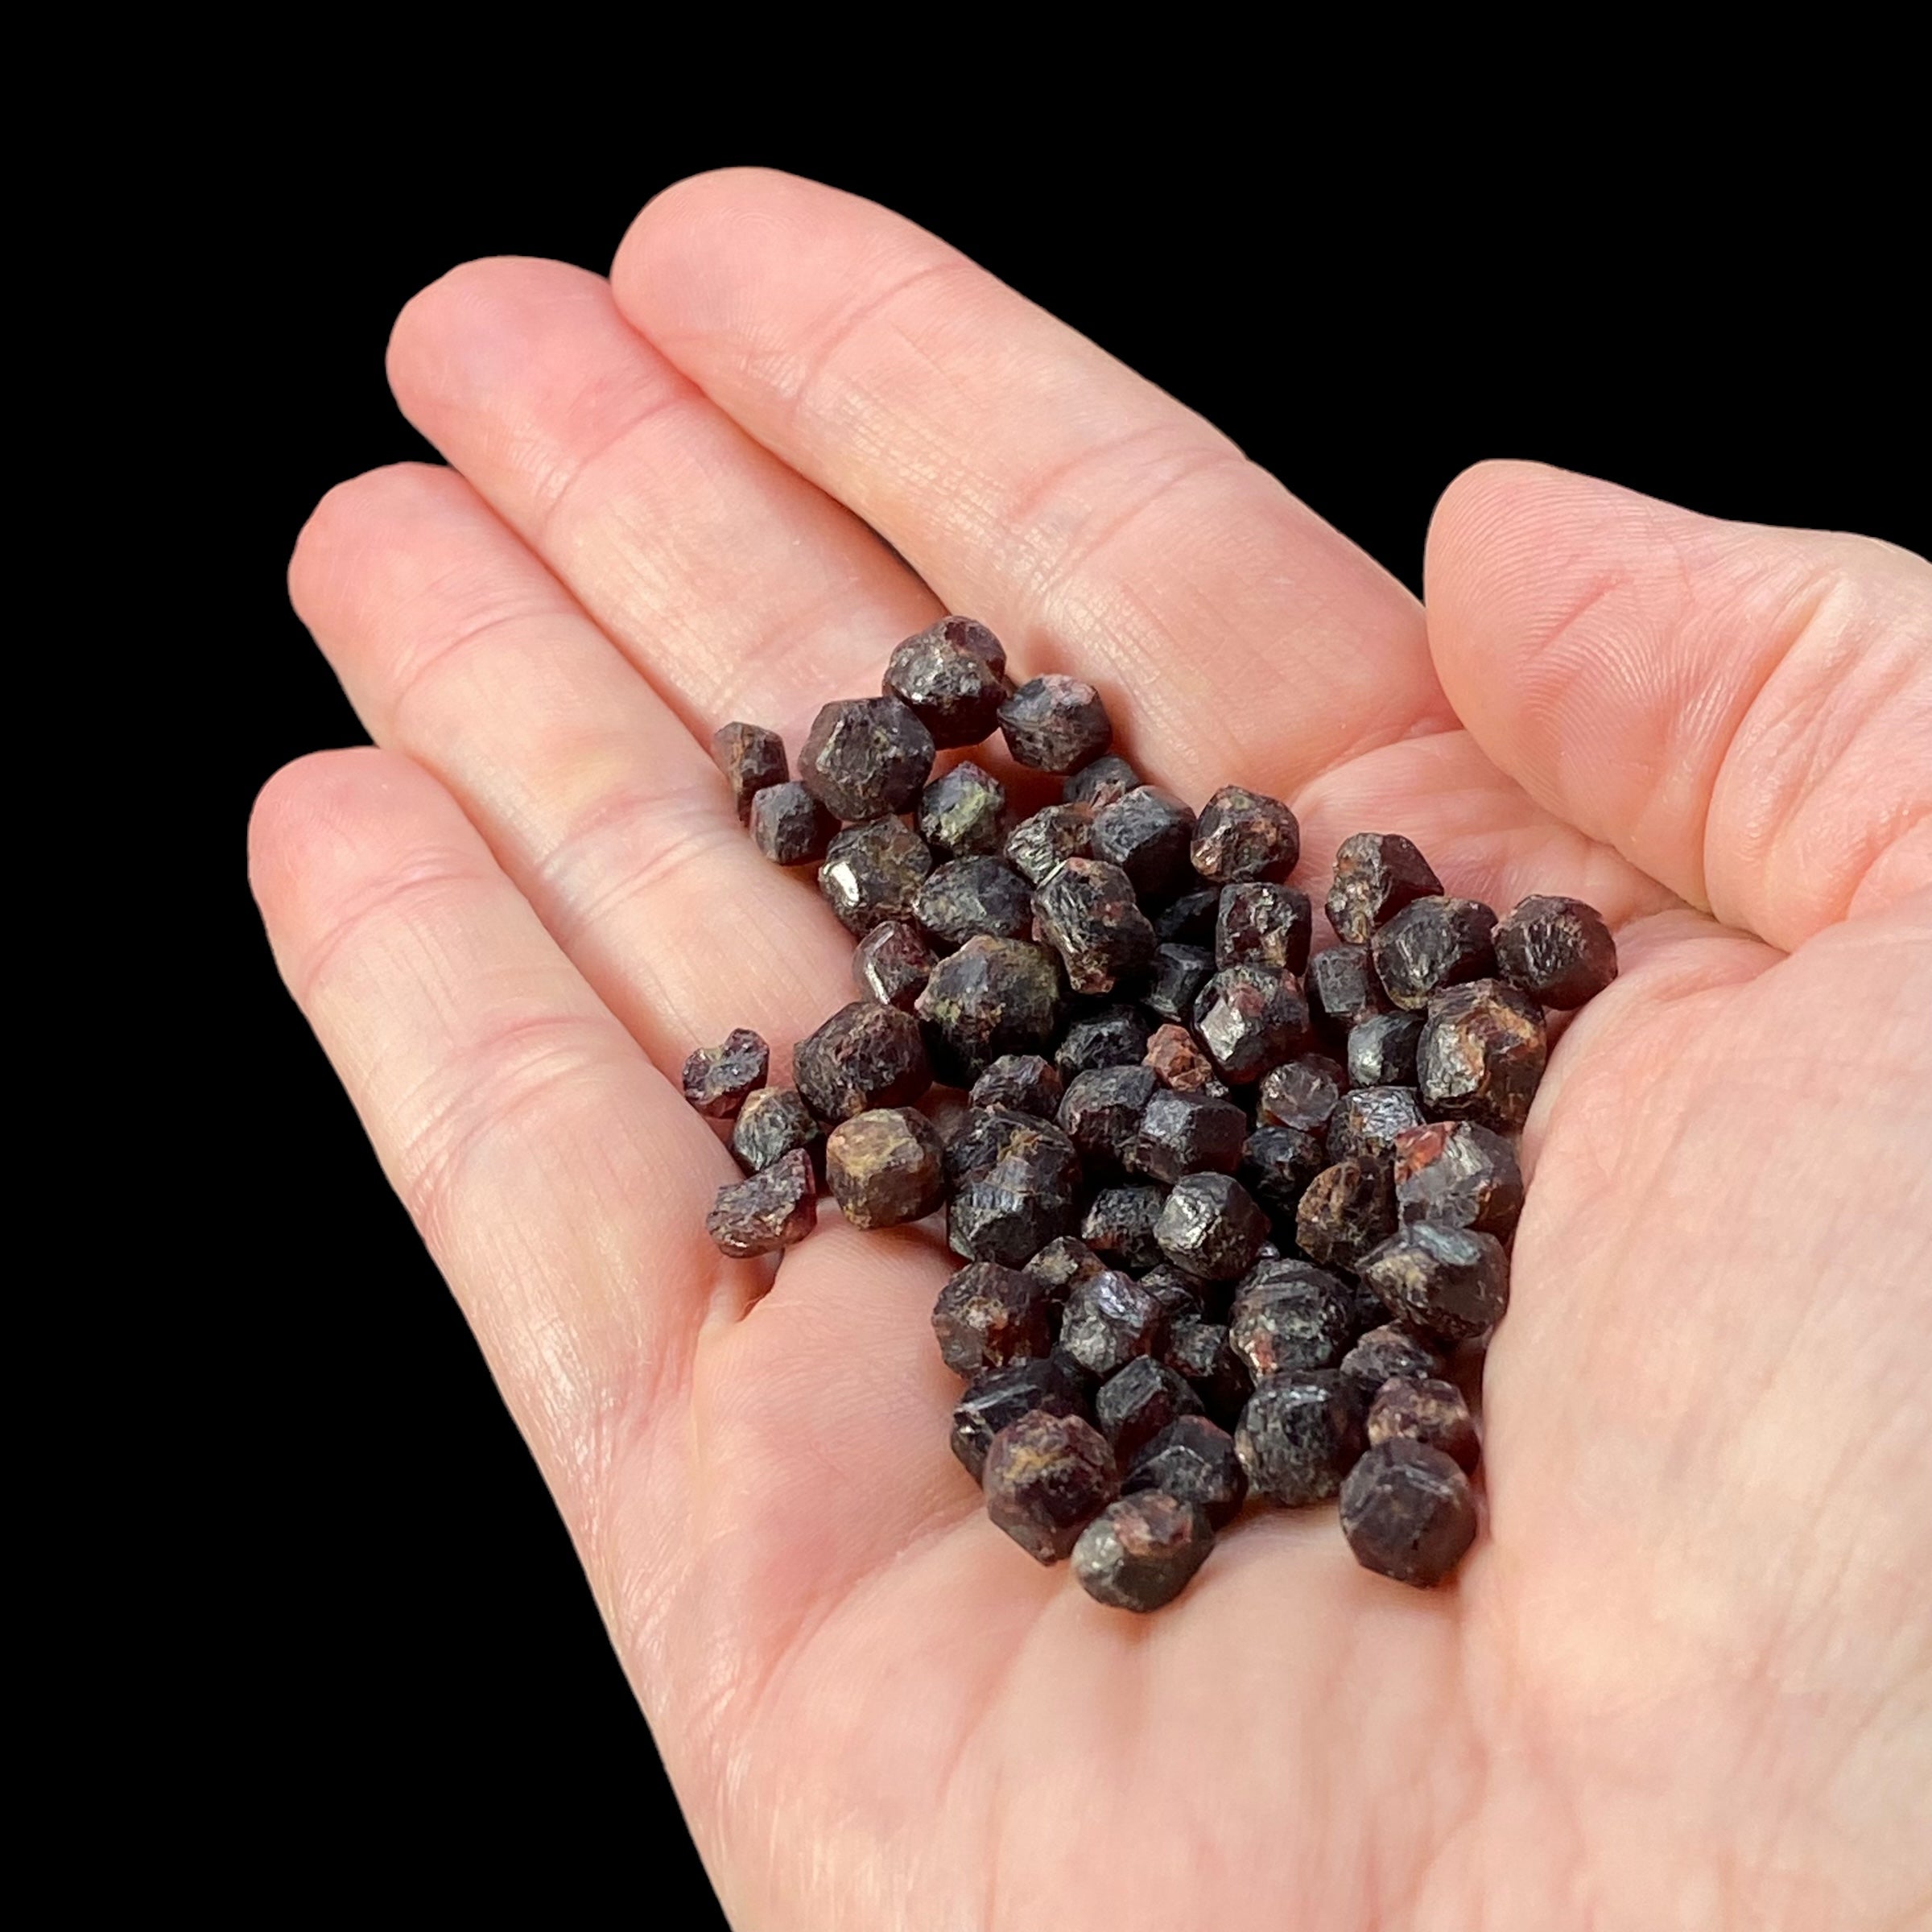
<point>1685,1678</point>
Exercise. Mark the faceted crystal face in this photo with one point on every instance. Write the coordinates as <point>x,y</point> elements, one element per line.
<point>1141,1552</point>
<point>1366,1121</point>
<point>1039,846</point>
<point>1375,875</point>
<point>872,872</point>
<point>1009,1210</point>
<point>1346,1210</point>
<point>1101,782</point>
<point>1175,981</point>
<point>1135,1404</point>
<point>1426,1409</point>
<point>892,963</point>
<point>1431,943</point>
<point>1449,1283</point>
<point>1088,912</point>
<point>885,1167</point>
<point>1146,834</point>
<point>863,1056</point>
<point>1275,1166</point>
<point>1046,1477</point>
<point>1263,924</point>
<point>952,678</point>
<point>773,1121</point>
<point>1101,1114</point>
<point>770,1210</point>
<point>1459,1173</point>
<point>1246,835</point>
<point>1300,1436</point>
<point>751,758</point>
<point>1211,1228</point>
<point>1176,1058</point>
<point>1250,1019</point>
<point>1408,1513</point>
<point>1301,1093</point>
<point>1109,1320</point>
<point>1055,724</point>
<point>789,827</point>
<point>1119,1226</point>
<point>1115,1036</point>
<point>1183,1134</point>
<point>865,757</point>
<point>989,1316</point>
<point>1386,1355</point>
<point>1193,1461</point>
<point>973,898</point>
<point>1558,951</point>
<point>1000,1395</point>
<point>1343,989</point>
<point>1381,1050</point>
<point>964,811</point>
<point>1290,1325</point>
<point>1022,1081</point>
<point>993,997</point>
<point>717,1079</point>
<point>1481,1056</point>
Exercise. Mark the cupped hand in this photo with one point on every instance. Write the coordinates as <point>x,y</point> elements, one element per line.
<point>1685,1677</point>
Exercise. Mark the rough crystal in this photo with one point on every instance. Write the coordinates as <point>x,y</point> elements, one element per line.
<point>871,873</point>
<point>973,898</point>
<point>1246,835</point>
<point>1210,1226</point>
<point>1459,1173</point>
<point>1449,1283</point>
<point>789,826</point>
<point>1346,1210</point>
<point>1408,1513</point>
<point>885,1167</point>
<point>1046,1477</point>
<point>1300,1436</point>
<point>717,1079</point>
<point>768,1210</point>
<point>865,757</point>
<point>751,758</point>
<point>1375,875</point>
<point>1140,1552</point>
<point>1088,912</point>
<point>1022,1081</point>
<point>987,1317</point>
<point>1250,1019</point>
<point>1055,724</point>
<point>964,811</point>
<point>1558,951</point>
<point>1193,1461</point>
<point>864,1056</point>
<point>993,997</point>
<point>1482,1055</point>
<point>950,677</point>
<point>1431,943</point>
<point>1146,833</point>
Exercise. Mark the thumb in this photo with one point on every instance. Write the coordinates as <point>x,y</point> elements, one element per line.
<point>1745,712</point>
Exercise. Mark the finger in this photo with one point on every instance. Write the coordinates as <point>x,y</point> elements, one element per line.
<point>739,589</point>
<point>1746,713</point>
<point>1031,479</point>
<point>458,648</point>
<point>518,1120</point>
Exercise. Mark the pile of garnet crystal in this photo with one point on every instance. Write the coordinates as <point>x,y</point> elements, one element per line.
<point>1224,1209</point>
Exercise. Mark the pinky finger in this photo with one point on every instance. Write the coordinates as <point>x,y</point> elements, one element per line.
<point>523,1126</point>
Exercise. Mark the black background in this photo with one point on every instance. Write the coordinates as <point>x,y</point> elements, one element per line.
<point>1738,344</point>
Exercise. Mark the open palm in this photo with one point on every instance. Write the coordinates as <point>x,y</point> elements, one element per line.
<point>1685,1677</point>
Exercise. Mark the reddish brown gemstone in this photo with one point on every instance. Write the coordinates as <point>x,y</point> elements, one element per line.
<point>970,897</point>
<point>1039,846</point>
<point>872,874</point>
<point>1088,912</point>
<point>962,812</point>
<point>1300,1436</point>
<point>865,757</point>
<point>892,963</point>
<point>1263,924</point>
<point>1021,1081</point>
<point>1174,1056</point>
<point>1301,1093</point>
<point>1558,951</point>
<point>1343,989</point>
<point>1009,1209</point>
<point>771,1209</point>
<point>1140,1552</point>
<point>1004,1395</point>
<point>885,1167</point>
<point>789,827</point>
<point>1277,1165</point>
<point>993,997</point>
<point>1109,1320</point>
<point>987,1317</point>
<point>1193,1461</point>
<point>1047,1476</point>
<point>1055,724</point>
<point>1246,835</point>
<point>1426,1411</point>
<point>1291,1323</point>
<point>1459,1173</point>
<point>1201,1352</point>
<point>717,1079</point>
<point>751,758</point>
<point>1446,1282</point>
<point>1365,1122</point>
<point>1119,1227</point>
<point>1101,1114</point>
<point>1381,1050</point>
<point>1100,784</point>
<point>1146,834</point>
<point>1115,1036</point>
<point>1408,1513</point>
<point>1175,980</point>
<point>1182,1132</point>
<point>1375,875</point>
<point>1210,1226</point>
<point>863,1056</point>
<point>1383,1355</point>
<point>950,676</point>
<point>772,1122</point>
<point>1250,1019</point>
<point>1345,1210</point>
<point>1482,1055</point>
<point>1136,1403</point>
<point>1431,943</point>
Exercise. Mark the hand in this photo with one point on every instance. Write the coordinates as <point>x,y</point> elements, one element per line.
<point>1685,1677</point>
